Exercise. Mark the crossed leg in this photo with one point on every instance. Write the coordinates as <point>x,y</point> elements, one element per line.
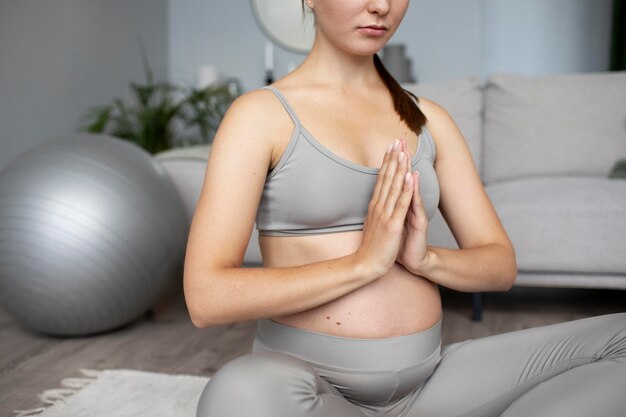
<point>575,368</point>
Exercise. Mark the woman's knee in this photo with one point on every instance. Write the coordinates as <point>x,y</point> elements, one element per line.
<point>256,382</point>
<point>602,337</point>
<point>615,327</point>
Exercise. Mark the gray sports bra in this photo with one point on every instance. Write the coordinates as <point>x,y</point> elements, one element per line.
<point>315,191</point>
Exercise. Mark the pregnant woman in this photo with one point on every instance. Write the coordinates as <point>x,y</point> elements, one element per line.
<point>341,169</point>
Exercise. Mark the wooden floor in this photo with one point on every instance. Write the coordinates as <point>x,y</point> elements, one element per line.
<point>166,341</point>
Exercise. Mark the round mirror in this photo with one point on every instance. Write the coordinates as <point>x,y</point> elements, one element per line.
<point>283,23</point>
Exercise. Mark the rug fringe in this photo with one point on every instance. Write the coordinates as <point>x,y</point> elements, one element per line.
<point>58,395</point>
<point>25,413</point>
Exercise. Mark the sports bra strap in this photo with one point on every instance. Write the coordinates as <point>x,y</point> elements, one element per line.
<point>286,105</point>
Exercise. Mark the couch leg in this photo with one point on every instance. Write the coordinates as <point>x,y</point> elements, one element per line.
<point>477,306</point>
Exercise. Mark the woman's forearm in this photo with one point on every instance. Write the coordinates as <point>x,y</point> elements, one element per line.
<point>233,294</point>
<point>491,267</point>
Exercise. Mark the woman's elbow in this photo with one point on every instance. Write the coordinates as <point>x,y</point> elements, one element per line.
<point>198,317</point>
<point>507,283</point>
<point>202,308</point>
<point>509,273</point>
<point>196,322</point>
<point>205,315</point>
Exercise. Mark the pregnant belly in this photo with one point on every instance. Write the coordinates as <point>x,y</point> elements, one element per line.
<point>396,304</point>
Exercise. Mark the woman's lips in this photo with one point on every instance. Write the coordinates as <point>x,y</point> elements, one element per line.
<point>373,30</point>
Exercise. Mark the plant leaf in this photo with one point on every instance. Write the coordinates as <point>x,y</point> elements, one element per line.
<point>95,119</point>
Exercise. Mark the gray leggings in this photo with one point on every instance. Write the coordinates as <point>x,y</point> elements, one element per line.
<point>576,368</point>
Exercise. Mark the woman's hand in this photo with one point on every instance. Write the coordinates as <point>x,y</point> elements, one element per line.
<point>387,210</point>
<point>413,247</point>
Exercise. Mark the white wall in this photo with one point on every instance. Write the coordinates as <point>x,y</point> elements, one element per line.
<point>443,38</point>
<point>446,39</point>
<point>546,36</point>
<point>57,58</point>
<point>220,33</point>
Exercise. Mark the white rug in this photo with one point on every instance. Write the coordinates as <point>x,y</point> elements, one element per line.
<point>121,393</point>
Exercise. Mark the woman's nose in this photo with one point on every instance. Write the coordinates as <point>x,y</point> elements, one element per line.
<point>379,6</point>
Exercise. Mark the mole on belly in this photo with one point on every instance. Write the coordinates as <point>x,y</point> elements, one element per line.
<point>338,323</point>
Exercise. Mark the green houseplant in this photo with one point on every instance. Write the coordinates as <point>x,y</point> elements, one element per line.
<point>619,169</point>
<point>164,115</point>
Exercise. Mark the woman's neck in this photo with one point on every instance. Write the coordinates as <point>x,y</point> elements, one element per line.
<point>331,66</point>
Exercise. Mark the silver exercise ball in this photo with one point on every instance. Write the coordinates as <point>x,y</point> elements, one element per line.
<point>92,231</point>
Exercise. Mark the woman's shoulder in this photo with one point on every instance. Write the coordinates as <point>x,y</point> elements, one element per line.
<point>438,121</point>
<point>255,103</point>
<point>432,109</point>
<point>257,121</point>
<point>258,109</point>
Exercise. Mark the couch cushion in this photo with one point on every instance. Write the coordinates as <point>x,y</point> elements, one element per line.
<point>463,100</point>
<point>186,167</point>
<point>564,224</point>
<point>565,124</point>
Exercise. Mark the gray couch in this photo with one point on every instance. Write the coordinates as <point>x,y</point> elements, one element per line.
<point>544,147</point>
